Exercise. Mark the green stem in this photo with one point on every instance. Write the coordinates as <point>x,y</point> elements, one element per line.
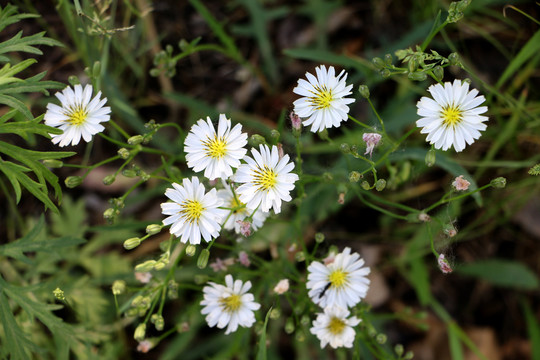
<point>377,114</point>
<point>444,201</point>
<point>119,129</point>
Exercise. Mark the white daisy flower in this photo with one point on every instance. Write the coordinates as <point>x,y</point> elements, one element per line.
<point>242,212</point>
<point>266,179</point>
<point>452,117</point>
<point>334,328</point>
<point>230,305</point>
<point>79,116</point>
<point>193,212</point>
<point>342,282</point>
<point>215,153</point>
<point>323,103</point>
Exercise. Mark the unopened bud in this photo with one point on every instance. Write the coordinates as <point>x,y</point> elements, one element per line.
<point>73,181</point>
<point>417,76</point>
<point>158,321</point>
<point>380,185</point>
<point>255,140</point>
<point>296,124</point>
<point>399,350</point>
<point>444,265</point>
<point>109,179</point>
<point>450,230</point>
<point>59,294</point>
<point>118,287</point>
<point>453,58</point>
<point>289,326</point>
<point>202,261</point>
<point>153,229</point>
<point>304,320</point>
<point>140,332</point>
<point>381,338</point>
<point>430,158</point>
<point>135,140</point>
<point>300,256</point>
<point>129,173</point>
<point>191,250</point>
<point>354,176</point>
<point>341,198</point>
<point>319,237</point>
<point>274,135</point>
<point>146,266</point>
<point>408,356</point>
<point>498,183</point>
<point>160,265</point>
<point>53,163</point>
<point>123,153</point>
<point>385,73</point>
<point>300,336</point>
<point>365,185</point>
<point>364,91</point>
<point>345,148</point>
<point>109,213</point>
<point>132,243</point>
<point>423,217</point>
<point>438,72</point>
<point>378,62</point>
<point>275,314</point>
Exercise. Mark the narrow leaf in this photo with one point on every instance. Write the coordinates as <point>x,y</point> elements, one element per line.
<point>501,272</point>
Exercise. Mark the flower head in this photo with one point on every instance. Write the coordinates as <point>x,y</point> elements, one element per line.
<point>452,117</point>
<point>193,212</point>
<point>342,283</point>
<point>460,184</point>
<point>323,103</point>
<point>236,219</point>
<point>371,140</point>
<point>266,179</point>
<point>215,153</point>
<point>333,327</point>
<point>78,116</point>
<point>230,305</point>
<point>282,286</point>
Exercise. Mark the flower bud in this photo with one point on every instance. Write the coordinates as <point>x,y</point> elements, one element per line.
<point>146,266</point>
<point>300,256</point>
<point>378,62</point>
<point>59,294</point>
<point>191,250</point>
<point>381,338</point>
<point>129,173</point>
<point>354,176</point>
<point>408,356</point>
<point>53,163</point>
<point>345,148</point>
<point>160,265</point>
<point>319,237</point>
<point>73,181</point>
<point>300,336</point>
<point>380,185</point>
<point>498,183</point>
<point>275,314</point>
<point>364,91</point>
<point>365,185</point>
<point>172,289</point>
<point>132,243</point>
<point>109,179</point>
<point>453,58</point>
<point>123,153</point>
<point>140,332</point>
<point>289,326</point>
<point>388,59</point>
<point>158,321</point>
<point>118,287</point>
<point>430,158</point>
<point>274,135</point>
<point>202,261</point>
<point>255,140</point>
<point>438,72</point>
<point>296,124</point>
<point>423,217</point>
<point>153,229</point>
<point>444,265</point>
<point>109,213</point>
<point>304,320</point>
<point>417,76</point>
<point>385,73</point>
<point>135,140</point>
<point>399,350</point>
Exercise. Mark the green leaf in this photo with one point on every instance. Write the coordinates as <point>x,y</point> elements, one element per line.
<point>16,104</point>
<point>11,171</point>
<point>499,272</point>
<point>261,353</point>
<point>530,49</point>
<point>26,44</point>
<point>16,341</point>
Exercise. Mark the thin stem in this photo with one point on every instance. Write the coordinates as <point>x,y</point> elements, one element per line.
<point>377,114</point>
<point>119,129</point>
<point>444,201</point>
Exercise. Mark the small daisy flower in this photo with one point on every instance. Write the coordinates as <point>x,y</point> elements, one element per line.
<point>460,184</point>
<point>230,305</point>
<point>215,153</point>
<point>266,179</point>
<point>452,117</point>
<point>193,212</point>
<point>342,282</point>
<point>334,327</point>
<point>323,103</point>
<point>236,219</point>
<point>79,116</point>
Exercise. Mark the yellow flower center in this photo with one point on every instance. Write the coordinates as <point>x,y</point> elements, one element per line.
<point>191,211</point>
<point>337,278</point>
<point>336,326</point>
<point>239,206</point>
<point>77,116</point>
<point>215,148</point>
<point>322,99</point>
<point>265,178</point>
<point>452,116</point>
<point>231,303</point>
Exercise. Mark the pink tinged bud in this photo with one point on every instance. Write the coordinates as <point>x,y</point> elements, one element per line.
<point>329,259</point>
<point>423,217</point>
<point>371,140</point>
<point>244,259</point>
<point>282,286</point>
<point>341,198</point>
<point>444,265</point>
<point>245,227</point>
<point>280,150</point>
<point>296,122</point>
<point>143,277</point>
<point>218,265</point>
<point>460,184</point>
<point>144,346</point>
